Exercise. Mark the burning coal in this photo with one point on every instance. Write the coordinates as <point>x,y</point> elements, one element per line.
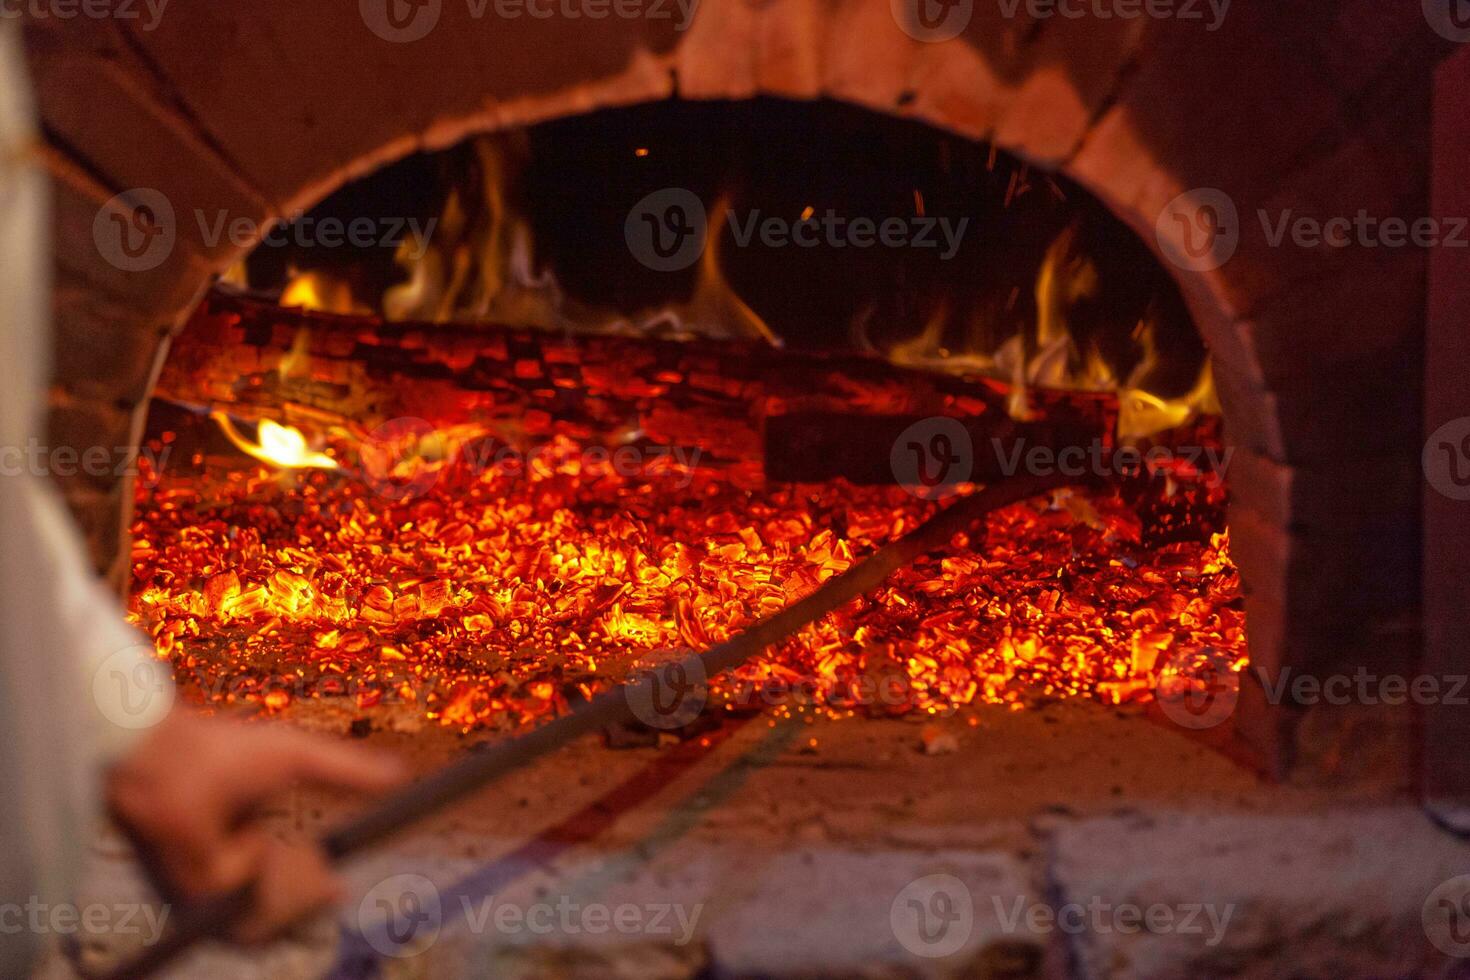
<point>489,575</point>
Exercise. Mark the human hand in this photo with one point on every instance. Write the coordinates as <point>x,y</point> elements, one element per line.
<point>190,794</point>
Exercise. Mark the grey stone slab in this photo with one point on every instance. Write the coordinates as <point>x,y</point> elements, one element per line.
<point>1346,893</point>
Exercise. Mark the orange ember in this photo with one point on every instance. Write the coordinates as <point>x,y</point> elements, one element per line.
<point>501,593</point>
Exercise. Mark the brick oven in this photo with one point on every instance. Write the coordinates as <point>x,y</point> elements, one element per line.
<point>1204,140</point>
<point>270,130</point>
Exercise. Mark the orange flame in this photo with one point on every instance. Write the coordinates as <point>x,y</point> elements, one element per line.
<point>279,445</point>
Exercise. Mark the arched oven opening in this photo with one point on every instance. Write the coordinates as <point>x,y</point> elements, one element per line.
<point>489,428</point>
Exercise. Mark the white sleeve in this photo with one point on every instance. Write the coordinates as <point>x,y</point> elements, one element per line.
<point>126,688</point>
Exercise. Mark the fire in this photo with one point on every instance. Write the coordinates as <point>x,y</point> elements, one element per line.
<point>480,265</point>
<point>279,445</point>
<point>1051,359</point>
<point>316,290</point>
<point>499,591</point>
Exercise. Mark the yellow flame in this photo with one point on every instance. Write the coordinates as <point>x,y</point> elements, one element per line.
<point>1065,277</point>
<point>1142,414</point>
<point>316,291</point>
<point>280,445</point>
<point>480,265</point>
<point>236,275</point>
<point>715,304</point>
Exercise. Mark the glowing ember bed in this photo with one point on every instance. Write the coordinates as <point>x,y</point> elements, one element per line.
<point>485,546</point>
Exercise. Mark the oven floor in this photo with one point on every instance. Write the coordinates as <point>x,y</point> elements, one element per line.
<point>781,848</point>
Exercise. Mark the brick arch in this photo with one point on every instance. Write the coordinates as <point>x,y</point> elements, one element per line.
<point>261,109</point>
